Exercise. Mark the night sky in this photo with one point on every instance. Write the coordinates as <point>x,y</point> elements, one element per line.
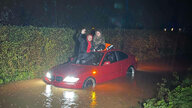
<point>139,14</point>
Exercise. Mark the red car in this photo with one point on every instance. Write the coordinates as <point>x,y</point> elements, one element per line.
<point>100,67</point>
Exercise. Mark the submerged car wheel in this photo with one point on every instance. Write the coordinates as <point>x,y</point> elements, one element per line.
<point>89,82</point>
<point>131,72</point>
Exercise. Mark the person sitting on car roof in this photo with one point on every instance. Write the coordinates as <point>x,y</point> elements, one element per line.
<point>86,45</point>
<point>98,40</point>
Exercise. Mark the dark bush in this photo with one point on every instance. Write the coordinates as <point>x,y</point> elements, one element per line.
<point>26,52</point>
<point>168,97</point>
<point>145,44</point>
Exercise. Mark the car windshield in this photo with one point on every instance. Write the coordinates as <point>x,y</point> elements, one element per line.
<point>93,58</point>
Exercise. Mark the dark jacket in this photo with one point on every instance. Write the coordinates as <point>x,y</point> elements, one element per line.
<point>83,44</point>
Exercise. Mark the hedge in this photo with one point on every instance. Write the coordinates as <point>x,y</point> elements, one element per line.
<point>148,44</point>
<point>26,52</point>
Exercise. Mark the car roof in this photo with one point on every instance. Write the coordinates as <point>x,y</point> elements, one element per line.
<point>114,50</point>
<point>110,50</point>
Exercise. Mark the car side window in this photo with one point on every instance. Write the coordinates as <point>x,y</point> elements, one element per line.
<point>110,56</point>
<point>121,55</point>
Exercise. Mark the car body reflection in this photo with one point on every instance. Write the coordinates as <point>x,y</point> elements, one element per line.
<point>93,99</point>
<point>69,95</point>
<point>69,99</point>
<point>48,94</point>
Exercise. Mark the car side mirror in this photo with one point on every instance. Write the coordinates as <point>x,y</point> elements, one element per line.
<point>107,63</point>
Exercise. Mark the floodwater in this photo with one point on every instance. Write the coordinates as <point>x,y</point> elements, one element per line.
<point>122,92</point>
<point>119,93</point>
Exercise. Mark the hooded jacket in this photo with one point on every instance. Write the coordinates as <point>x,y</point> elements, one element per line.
<point>82,43</point>
<point>85,46</point>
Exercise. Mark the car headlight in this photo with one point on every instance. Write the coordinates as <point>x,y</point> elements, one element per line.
<point>48,75</point>
<point>71,79</point>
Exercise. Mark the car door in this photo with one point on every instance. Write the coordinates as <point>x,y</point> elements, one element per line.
<point>110,70</point>
<point>123,61</point>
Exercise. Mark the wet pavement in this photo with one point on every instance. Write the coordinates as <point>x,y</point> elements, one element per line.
<point>122,92</point>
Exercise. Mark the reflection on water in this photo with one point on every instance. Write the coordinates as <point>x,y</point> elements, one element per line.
<point>118,93</point>
<point>69,95</point>
<point>93,99</point>
<point>48,94</point>
<point>69,98</point>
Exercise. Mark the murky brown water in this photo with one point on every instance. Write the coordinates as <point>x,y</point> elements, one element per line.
<point>119,93</point>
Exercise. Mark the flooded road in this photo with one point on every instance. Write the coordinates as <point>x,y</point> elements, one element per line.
<point>123,92</point>
<point>119,93</point>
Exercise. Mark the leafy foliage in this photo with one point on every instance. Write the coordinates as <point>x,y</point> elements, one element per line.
<point>26,52</point>
<point>179,97</point>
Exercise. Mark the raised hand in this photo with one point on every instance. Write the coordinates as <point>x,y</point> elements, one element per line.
<point>83,31</point>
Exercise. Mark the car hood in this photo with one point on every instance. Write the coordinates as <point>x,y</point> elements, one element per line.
<point>71,69</point>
